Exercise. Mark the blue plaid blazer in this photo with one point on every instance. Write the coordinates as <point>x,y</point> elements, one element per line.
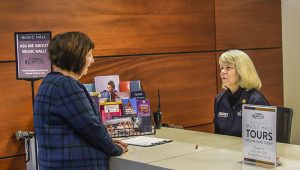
<point>68,128</point>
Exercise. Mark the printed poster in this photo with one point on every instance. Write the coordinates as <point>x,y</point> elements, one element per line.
<point>32,54</point>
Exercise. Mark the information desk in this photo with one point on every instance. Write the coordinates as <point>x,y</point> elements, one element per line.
<point>214,152</point>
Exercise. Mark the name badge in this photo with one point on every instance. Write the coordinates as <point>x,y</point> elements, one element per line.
<point>222,114</point>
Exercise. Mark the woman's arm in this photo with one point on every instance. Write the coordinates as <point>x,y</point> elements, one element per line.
<point>77,110</point>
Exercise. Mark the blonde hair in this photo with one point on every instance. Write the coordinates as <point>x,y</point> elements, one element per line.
<point>248,77</point>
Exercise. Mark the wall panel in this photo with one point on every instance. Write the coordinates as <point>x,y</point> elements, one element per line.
<point>14,163</point>
<point>248,24</point>
<point>117,27</point>
<point>268,63</point>
<point>203,128</point>
<point>16,109</point>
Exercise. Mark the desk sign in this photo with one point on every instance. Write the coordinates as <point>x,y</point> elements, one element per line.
<point>259,134</point>
<point>32,55</point>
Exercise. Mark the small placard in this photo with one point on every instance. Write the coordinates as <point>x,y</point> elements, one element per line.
<point>32,55</point>
<point>259,134</point>
<point>111,108</point>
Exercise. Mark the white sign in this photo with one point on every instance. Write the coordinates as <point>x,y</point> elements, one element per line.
<point>259,134</point>
<point>111,108</point>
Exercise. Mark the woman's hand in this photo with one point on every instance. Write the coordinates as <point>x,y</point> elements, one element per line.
<point>121,144</point>
<point>124,148</point>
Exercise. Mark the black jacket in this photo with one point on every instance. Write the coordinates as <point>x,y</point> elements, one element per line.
<point>227,118</point>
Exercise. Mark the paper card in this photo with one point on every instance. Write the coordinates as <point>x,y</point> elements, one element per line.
<point>110,110</point>
<point>143,107</point>
<point>108,83</point>
<point>129,106</point>
<point>125,86</point>
<point>259,134</point>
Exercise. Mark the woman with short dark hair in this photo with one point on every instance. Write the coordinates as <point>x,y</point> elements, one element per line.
<point>67,123</point>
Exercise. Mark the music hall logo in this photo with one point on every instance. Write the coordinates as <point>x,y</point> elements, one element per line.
<point>257,116</point>
<point>33,60</point>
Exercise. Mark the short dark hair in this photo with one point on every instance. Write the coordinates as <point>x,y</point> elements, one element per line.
<point>68,50</point>
<point>112,84</point>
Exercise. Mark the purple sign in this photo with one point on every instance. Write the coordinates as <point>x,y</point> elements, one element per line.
<point>32,54</point>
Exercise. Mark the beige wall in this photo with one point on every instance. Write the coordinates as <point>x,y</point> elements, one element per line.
<point>291,61</point>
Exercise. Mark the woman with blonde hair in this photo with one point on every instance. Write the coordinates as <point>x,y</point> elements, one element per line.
<point>241,85</point>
